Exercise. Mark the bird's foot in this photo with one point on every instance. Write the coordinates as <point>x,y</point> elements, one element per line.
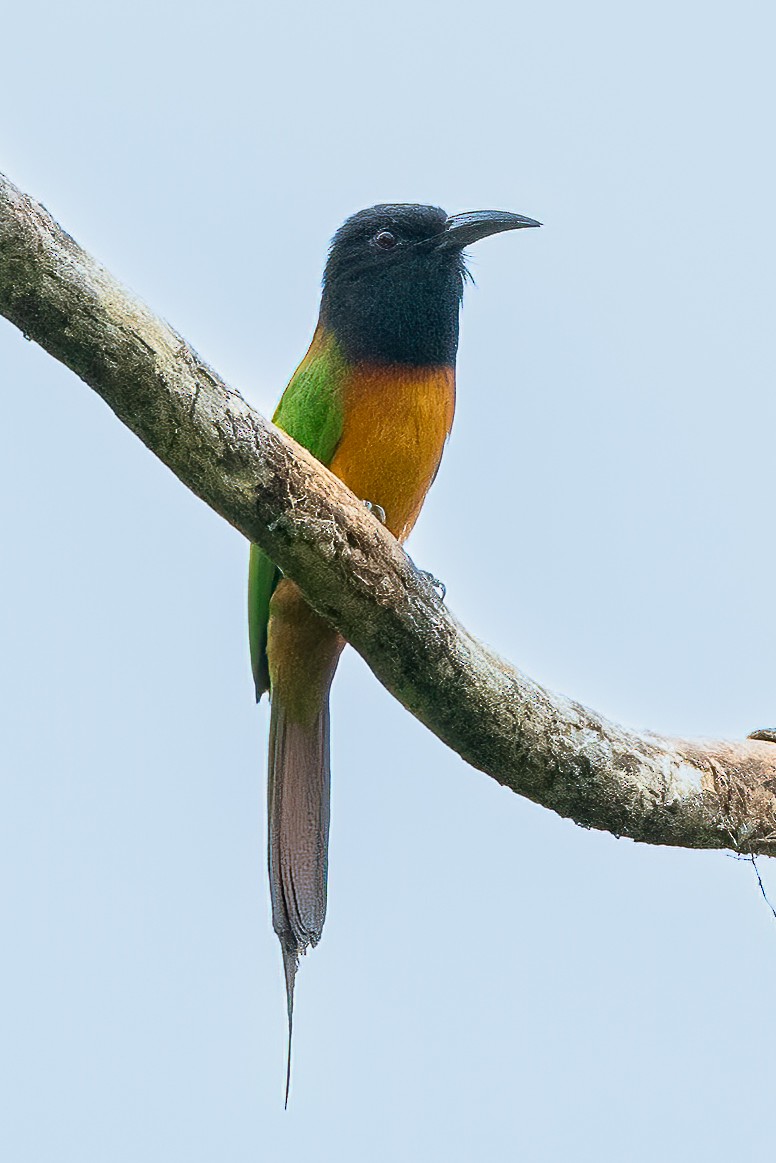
<point>376,511</point>
<point>767,734</point>
<point>438,587</point>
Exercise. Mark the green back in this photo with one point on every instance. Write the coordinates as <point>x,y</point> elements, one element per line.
<point>310,411</point>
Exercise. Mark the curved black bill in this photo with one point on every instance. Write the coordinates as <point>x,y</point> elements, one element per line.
<point>463,229</point>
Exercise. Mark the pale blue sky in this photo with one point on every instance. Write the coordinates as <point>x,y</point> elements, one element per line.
<point>492,979</point>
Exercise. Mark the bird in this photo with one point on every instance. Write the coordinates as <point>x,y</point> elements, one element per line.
<point>373,400</point>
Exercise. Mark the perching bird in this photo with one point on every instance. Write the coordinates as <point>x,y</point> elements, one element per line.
<point>373,399</point>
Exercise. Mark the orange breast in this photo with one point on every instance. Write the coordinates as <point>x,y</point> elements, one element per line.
<point>396,422</point>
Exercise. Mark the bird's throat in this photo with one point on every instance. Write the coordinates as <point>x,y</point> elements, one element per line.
<point>395,318</point>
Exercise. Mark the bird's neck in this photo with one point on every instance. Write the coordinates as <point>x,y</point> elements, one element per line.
<point>386,322</point>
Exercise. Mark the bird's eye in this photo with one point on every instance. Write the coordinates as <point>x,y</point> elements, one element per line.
<point>385,240</point>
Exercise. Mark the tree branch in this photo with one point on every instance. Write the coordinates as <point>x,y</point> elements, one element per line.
<point>539,744</point>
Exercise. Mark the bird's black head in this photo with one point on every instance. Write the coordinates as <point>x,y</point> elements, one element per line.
<point>394,280</point>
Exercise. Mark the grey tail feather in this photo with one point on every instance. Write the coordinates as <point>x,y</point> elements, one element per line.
<point>290,966</point>
<point>298,815</point>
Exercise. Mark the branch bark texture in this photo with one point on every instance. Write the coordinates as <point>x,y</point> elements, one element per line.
<point>540,744</point>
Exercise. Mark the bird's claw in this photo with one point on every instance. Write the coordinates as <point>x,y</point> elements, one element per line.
<point>439,588</point>
<point>376,511</point>
<point>767,734</point>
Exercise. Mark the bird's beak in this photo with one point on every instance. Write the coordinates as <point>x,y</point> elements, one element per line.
<point>463,229</point>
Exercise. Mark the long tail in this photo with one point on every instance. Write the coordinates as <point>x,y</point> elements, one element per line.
<point>298,813</point>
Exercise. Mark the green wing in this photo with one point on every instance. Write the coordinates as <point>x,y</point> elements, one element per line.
<point>310,411</point>
<point>263,576</point>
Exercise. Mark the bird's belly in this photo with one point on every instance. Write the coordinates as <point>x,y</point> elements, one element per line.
<point>396,422</point>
